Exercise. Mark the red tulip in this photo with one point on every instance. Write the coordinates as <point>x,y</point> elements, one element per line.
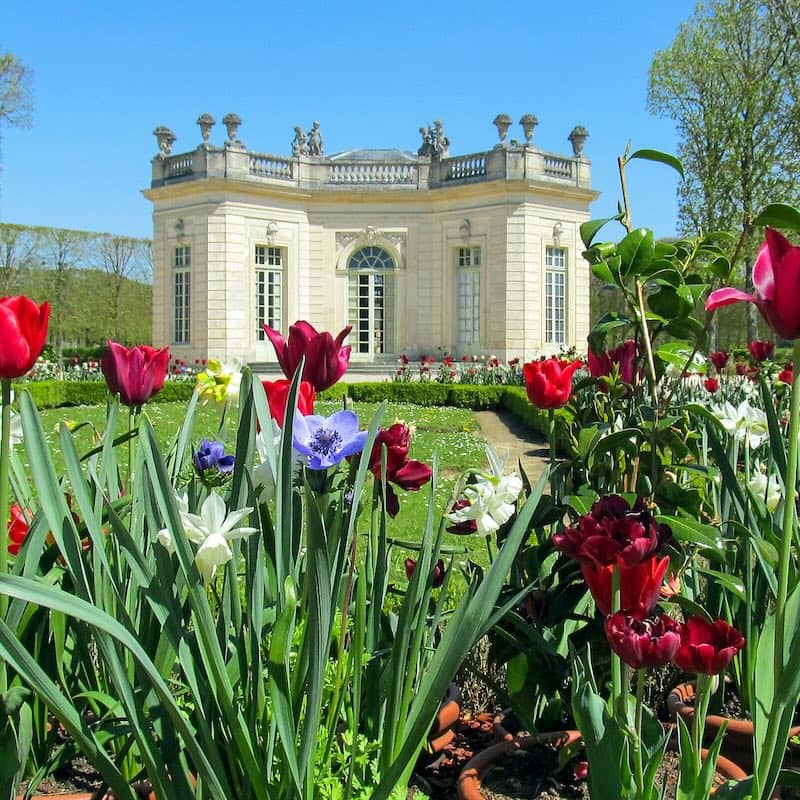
<point>761,350</point>
<point>719,359</point>
<point>17,528</point>
<point>406,473</point>
<point>278,393</point>
<point>776,280</point>
<point>613,533</point>
<point>23,331</point>
<point>135,374</point>
<point>640,584</point>
<point>786,375</point>
<point>549,382</point>
<point>622,357</point>
<point>643,641</point>
<point>326,359</point>
<point>438,571</point>
<point>741,369</point>
<point>706,647</point>
<point>711,384</point>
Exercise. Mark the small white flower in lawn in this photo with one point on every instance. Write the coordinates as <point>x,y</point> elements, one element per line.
<point>213,530</point>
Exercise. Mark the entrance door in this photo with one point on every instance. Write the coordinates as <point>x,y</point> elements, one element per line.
<point>370,306</point>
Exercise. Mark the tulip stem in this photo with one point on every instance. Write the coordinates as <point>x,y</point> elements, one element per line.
<point>616,662</point>
<point>652,380</point>
<point>551,418</point>
<point>5,457</point>
<point>641,678</point>
<point>701,699</point>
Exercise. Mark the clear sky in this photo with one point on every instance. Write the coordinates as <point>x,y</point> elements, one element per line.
<point>107,73</point>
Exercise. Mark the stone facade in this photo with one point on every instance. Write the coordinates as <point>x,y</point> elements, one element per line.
<point>422,254</point>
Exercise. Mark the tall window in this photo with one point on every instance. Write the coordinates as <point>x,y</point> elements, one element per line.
<point>269,264</point>
<point>182,294</point>
<point>468,296</point>
<point>370,302</point>
<point>555,295</point>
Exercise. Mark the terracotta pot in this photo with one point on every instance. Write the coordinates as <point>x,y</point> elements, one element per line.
<point>738,742</point>
<point>469,782</point>
<point>442,733</point>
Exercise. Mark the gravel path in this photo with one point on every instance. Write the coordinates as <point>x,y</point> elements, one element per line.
<point>507,434</point>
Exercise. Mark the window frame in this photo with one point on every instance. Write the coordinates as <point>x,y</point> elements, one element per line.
<point>182,295</point>
<point>468,261</point>
<point>261,305</point>
<point>556,265</point>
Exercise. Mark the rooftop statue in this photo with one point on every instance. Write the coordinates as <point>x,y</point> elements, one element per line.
<point>299,145</point>
<point>315,146</point>
<point>434,143</point>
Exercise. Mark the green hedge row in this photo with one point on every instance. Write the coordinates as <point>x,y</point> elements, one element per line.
<point>54,394</point>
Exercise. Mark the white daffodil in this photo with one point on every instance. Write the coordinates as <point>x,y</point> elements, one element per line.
<point>490,503</point>
<point>164,536</point>
<point>744,422</point>
<point>220,382</point>
<point>767,488</point>
<point>213,530</point>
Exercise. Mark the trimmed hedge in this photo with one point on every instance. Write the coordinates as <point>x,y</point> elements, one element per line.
<point>55,394</point>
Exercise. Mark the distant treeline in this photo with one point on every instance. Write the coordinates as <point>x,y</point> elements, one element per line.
<point>98,284</point>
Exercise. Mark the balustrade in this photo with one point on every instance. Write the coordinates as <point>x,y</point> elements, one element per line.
<point>359,172</point>
<point>464,167</point>
<point>265,166</point>
<point>555,167</point>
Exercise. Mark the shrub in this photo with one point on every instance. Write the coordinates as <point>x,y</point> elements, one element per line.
<point>54,394</point>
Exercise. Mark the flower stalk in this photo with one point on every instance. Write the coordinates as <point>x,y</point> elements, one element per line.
<point>5,457</point>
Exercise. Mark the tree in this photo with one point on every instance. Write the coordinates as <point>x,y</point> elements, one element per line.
<point>15,91</point>
<point>123,259</point>
<point>730,80</point>
<point>18,245</point>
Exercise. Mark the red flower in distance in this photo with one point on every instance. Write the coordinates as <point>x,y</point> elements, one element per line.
<point>326,359</point>
<point>406,473</point>
<point>786,375</point>
<point>23,332</point>
<point>549,382</point>
<point>438,571</point>
<point>640,584</point>
<point>643,641</point>
<point>719,359</point>
<point>17,527</point>
<point>761,350</point>
<point>741,369</point>
<point>776,280</point>
<point>613,533</point>
<point>707,647</point>
<point>711,384</point>
<point>136,373</point>
<point>278,393</point>
<point>622,357</point>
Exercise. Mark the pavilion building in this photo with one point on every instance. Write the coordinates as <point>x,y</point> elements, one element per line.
<point>422,253</point>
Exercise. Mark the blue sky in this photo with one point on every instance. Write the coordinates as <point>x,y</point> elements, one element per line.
<point>106,74</point>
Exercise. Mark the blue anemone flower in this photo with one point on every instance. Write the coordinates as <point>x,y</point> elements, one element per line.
<point>211,455</point>
<point>325,441</point>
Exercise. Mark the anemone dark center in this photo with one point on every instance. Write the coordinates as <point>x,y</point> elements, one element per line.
<point>326,441</point>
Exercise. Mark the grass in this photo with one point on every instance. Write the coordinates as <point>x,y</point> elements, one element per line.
<point>452,432</point>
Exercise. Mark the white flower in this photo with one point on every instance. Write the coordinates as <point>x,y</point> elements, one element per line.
<point>767,488</point>
<point>213,530</point>
<point>744,422</point>
<point>164,536</point>
<point>491,503</point>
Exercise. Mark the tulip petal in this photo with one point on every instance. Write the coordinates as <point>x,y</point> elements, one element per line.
<point>763,272</point>
<point>727,296</point>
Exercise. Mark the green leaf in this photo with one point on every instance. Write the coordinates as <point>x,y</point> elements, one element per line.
<point>660,157</point>
<point>636,251</point>
<point>779,215</point>
<point>590,229</point>
<point>689,530</point>
<point>602,272</point>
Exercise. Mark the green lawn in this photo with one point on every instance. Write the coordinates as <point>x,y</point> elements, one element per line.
<point>451,432</point>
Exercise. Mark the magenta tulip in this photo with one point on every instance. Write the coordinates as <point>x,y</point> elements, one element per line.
<point>643,641</point>
<point>23,331</point>
<point>776,279</point>
<point>135,373</point>
<point>326,359</point>
<point>623,358</point>
<point>761,350</point>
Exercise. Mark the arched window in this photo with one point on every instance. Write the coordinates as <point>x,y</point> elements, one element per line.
<point>370,306</point>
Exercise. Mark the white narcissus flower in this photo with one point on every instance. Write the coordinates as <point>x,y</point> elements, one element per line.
<point>767,488</point>
<point>164,536</point>
<point>744,422</point>
<point>213,530</point>
<point>491,503</point>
